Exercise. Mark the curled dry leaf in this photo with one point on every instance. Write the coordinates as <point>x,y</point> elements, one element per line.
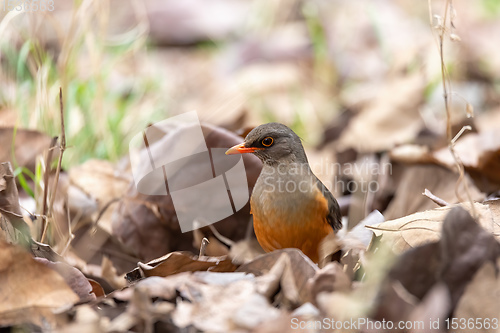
<point>177,262</point>
<point>280,277</point>
<point>328,279</point>
<point>97,289</point>
<point>73,277</point>
<point>30,290</point>
<point>289,269</point>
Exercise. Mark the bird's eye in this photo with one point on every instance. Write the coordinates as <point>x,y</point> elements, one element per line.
<point>266,142</point>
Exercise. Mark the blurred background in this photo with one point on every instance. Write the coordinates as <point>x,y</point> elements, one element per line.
<point>312,65</point>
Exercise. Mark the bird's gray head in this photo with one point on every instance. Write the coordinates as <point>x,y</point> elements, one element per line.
<point>273,143</point>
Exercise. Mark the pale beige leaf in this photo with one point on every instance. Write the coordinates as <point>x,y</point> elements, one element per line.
<point>425,227</point>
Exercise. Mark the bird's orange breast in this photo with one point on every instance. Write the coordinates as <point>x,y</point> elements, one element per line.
<point>301,224</point>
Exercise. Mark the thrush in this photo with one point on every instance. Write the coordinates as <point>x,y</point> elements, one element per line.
<point>291,207</point>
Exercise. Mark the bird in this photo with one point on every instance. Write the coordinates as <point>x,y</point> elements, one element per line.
<point>291,207</point>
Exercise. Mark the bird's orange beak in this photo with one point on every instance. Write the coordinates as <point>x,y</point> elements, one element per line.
<point>241,149</point>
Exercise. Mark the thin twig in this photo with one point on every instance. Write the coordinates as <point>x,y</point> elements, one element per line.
<point>203,246</point>
<point>443,73</point>
<point>11,213</point>
<point>59,162</point>
<point>446,85</point>
<point>71,236</point>
<point>459,134</point>
<point>46,183</point>
<point>434,198</point>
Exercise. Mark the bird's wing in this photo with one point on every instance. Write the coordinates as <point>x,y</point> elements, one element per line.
<point>333,217</point>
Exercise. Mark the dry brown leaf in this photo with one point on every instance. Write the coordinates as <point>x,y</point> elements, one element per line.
<point>280,277</point>
<point>10,211</point>
<point>73,277</point>
<point>289,269</point>
<point>97,289</point>
<point>328,279</point>
<point>177,262</point>
<point>425,227</point>
<point>29,289</point>
<point>93,243</point>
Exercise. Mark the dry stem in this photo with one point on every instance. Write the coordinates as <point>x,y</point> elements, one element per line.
<point>62,148</point>
<point>446,84</point>
<point>46,183</point>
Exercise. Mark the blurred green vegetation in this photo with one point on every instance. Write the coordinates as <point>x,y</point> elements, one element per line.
<point>99,121</point>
